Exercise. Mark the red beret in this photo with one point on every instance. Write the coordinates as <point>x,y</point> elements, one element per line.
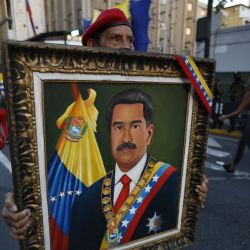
<point>108,18</point>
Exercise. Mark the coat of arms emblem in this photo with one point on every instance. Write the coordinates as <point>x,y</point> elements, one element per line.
<point>75,128</point>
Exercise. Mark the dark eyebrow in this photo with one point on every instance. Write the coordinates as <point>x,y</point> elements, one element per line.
<point>115,34</point>
<point>132,122</point>
<point>117,123</point>
<point>136,121</point>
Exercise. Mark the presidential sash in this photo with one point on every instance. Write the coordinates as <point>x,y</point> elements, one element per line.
<point>120,227</point>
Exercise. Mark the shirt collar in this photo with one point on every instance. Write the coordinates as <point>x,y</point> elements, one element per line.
<point>134,173</point>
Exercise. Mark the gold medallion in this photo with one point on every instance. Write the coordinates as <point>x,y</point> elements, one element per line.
<point>105,200</point>
<point>106,191</point>
<point>151,163</point>
<point>112,224</point>
<point>107,182</point>
<point>107,208</point>
<point>109,215</point>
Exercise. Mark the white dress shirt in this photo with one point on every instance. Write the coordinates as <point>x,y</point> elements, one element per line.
<point>134,174</point>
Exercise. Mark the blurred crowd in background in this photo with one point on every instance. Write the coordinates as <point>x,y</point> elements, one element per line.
<point>226,100</point>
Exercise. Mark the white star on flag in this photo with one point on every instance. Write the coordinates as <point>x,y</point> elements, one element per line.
<point>148,188</point>
<point>53,198</point>
<point>139,199</point>
<point>69,192</point>
<point>155,178</point>
<point>61,194</point>
<point>132,210</point>
<point>197,79</point>
<point>210,103</point>
<point>78,192</point>
<point>125,223</point>
<point>186,61</point>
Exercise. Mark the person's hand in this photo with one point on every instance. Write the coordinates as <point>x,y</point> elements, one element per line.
<point>202,191</point>
<point>18,222</point>
<point>222,118</point>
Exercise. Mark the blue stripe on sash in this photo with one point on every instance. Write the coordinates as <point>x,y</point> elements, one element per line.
<point>128,217</point>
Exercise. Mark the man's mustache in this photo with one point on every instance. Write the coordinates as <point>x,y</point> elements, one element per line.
<point>126,145</point>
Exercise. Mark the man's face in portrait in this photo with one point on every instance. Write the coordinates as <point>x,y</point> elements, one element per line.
<point>130,136</point>
<point>117,37</point>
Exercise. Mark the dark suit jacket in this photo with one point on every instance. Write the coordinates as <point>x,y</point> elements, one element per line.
<point>88,224</point>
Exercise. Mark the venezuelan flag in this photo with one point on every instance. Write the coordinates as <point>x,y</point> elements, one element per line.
<point>124,6</point>
<point>74,166</point>
<point>139,10</point>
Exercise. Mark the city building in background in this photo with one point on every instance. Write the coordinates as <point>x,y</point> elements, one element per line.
<point>172,26</point>
<point>21,19</point>
<point>237,15</point>
<point>66,15</point>
<point>201,10</point>
<point>180,24</point>
<point>25,19</point>
<point>230,47</point>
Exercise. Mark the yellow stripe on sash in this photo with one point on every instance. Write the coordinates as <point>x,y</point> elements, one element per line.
<point>157,166</point>
<point>202,80</point>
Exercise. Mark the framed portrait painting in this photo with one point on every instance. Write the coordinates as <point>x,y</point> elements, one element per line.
<point>79,118</point>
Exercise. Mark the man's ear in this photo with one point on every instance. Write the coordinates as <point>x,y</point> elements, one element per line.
<point>91,42</point>
<point>150,130</point>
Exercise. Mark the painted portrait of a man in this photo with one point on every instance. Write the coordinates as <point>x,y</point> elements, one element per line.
<point>139,197</point>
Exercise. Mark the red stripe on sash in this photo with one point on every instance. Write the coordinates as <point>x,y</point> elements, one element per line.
<point>191,78</point>
<point>145,203</point>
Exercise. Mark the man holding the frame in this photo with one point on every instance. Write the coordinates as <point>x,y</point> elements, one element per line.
<point>110,30</point>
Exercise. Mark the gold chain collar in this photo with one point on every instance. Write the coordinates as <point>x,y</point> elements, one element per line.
<point>106,200</point>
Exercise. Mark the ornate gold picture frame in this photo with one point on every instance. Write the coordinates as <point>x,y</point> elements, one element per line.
<point>38,83</point>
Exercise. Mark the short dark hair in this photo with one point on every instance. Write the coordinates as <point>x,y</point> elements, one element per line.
<point>132,96</point>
